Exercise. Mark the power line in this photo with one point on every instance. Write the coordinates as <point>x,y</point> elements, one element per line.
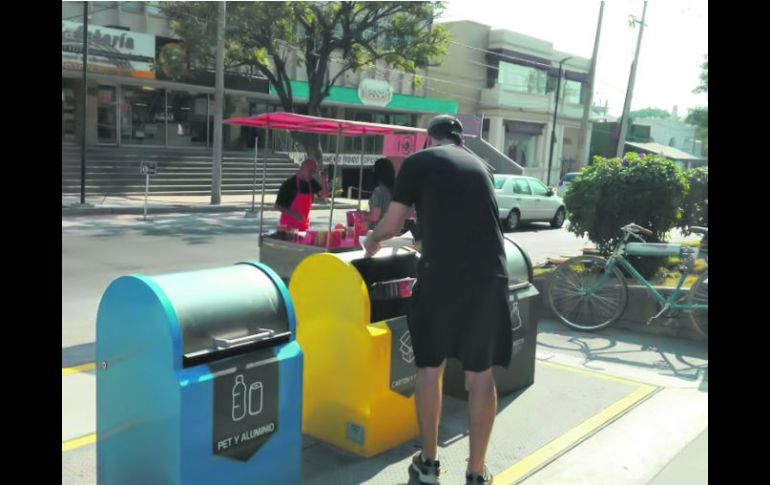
<point>430,78</point>
<point>339,60</point>
<point>425,76</point>
<point>117,4</point>
<point>384,69</point>
<point>520,59</point>
<point>428,86</point>
<point>504,56</point>
<point>431,88</point>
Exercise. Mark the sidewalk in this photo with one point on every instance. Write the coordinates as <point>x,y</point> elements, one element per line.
<point>689,466</point>
<point>176,204</point>
<point>605,409</point>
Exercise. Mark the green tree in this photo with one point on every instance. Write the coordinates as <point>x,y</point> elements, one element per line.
<point>611,193</point>
<point>700,116</point>
<point>328,38</point>
<point>703,87</point>
<point>695,207</point>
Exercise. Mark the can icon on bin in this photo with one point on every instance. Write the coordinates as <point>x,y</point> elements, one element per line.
<point>255,398</point>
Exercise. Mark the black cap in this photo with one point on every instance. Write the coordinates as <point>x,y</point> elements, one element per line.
<point>442,126</point>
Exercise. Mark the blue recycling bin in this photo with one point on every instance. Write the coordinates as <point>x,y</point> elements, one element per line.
<point>199,380</point>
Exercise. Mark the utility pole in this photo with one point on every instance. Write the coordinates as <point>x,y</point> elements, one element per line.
<point>583,141</point>
<point>219,94</point>
<point>553,127</point>
<point>624,122</point>
<point>84,104</point>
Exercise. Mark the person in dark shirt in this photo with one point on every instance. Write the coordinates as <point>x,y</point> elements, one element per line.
<point>385,178</point>
<point>295,197</point>
<point>459,305</point>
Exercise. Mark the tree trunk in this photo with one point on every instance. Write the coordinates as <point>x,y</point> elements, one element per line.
<point>312,142</point>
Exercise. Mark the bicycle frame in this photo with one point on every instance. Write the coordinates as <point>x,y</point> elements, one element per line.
<point>617,259</point>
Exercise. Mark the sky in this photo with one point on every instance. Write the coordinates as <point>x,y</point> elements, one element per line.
<point>674,42</point>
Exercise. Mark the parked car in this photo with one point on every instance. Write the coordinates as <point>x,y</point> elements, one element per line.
<point>565,182</point>
<point>527,199</point>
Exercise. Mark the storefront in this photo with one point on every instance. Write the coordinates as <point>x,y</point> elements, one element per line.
<point>141,93</point>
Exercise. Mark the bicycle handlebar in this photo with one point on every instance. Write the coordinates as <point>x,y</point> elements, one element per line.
<point>634,228</point>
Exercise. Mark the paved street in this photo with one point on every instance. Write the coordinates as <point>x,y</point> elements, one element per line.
<point>98,249</point>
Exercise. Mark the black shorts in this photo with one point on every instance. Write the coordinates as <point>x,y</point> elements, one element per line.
<point>461,317</point>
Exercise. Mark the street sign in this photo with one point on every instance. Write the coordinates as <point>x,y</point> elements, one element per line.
<point>148,168</point>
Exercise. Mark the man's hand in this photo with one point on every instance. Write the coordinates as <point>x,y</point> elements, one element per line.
<point>390,226</point>
<point>371,245</point>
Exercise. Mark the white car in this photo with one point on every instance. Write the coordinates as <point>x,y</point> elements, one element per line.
<point>565,182</point>
<point>526,199</point>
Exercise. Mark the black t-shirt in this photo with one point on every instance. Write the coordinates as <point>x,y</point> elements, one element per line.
<point>288,190</point>
<point>453,193</point>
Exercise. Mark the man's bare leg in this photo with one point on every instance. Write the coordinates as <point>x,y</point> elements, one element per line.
<point>428,402</point>
<point>482,407</point>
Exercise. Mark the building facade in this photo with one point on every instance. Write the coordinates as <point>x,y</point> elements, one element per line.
<point>510,80</point>
<point>141,92</point>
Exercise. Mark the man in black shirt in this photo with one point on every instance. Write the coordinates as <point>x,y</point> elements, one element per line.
<point>460,303</point>
<point>295,197</point>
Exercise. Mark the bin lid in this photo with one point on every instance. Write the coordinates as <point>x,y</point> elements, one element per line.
<point>226,311</point>
<point>519,264</point>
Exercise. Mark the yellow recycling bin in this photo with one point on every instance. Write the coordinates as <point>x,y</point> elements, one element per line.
<point>359,373</point>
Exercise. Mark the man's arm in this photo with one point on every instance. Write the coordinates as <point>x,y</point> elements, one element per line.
<point>390,226</point>
<point>374,215</point>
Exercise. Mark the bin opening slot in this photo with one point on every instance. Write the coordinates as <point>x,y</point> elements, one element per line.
<point>381,276</point>
<point>236,346</point>
<point>518,285</point>
<point>387,290</point>
<point>226,343</point>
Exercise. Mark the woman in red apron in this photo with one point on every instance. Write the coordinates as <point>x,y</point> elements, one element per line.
<point>295,197</point>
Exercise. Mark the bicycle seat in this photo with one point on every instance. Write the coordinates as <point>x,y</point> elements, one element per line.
<point>703,231</point>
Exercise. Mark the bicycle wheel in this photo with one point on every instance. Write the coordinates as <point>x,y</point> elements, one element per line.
<point>571,302</point>
<point>699,295</point>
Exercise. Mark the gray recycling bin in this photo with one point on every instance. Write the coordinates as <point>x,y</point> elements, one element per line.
<point>199,380</point>
<point>524,299</point>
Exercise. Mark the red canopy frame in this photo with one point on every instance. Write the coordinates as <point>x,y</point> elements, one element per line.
<point>281,120</point>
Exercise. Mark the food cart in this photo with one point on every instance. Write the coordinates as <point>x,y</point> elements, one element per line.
<point>283,252</point>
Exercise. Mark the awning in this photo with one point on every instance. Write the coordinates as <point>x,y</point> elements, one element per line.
<point>281,120</point>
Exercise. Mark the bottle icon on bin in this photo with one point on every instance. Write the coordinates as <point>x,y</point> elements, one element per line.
<point>239,398</point>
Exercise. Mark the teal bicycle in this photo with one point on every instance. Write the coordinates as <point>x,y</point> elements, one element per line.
<point>590,293</point>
